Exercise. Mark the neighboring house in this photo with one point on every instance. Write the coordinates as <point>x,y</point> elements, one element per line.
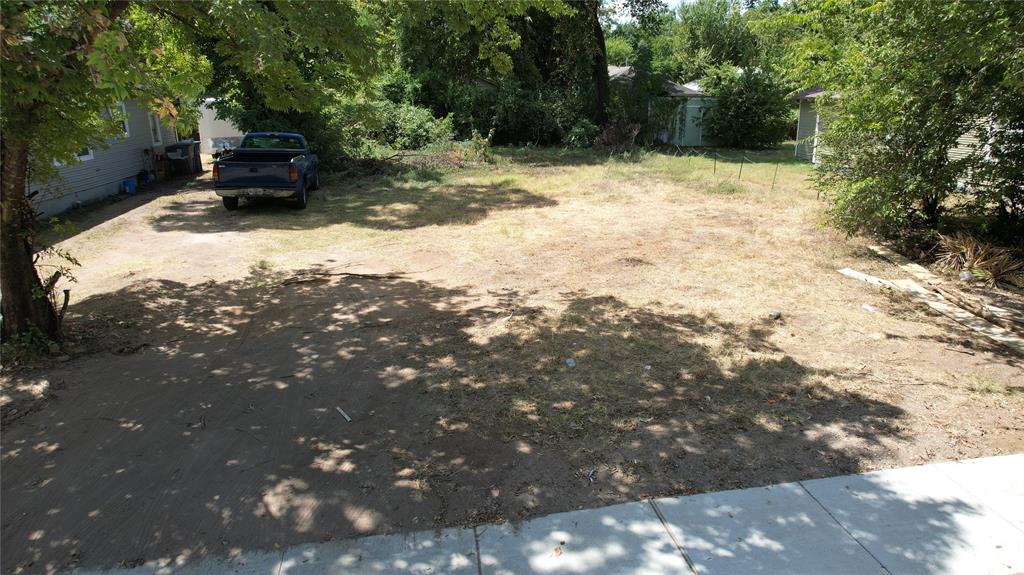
<point>683,124</point>
<point>214,133</point>
<point>808,124</point>
<point>101,172</point>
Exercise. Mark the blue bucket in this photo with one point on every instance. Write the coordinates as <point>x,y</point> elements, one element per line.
<point>129,186</point>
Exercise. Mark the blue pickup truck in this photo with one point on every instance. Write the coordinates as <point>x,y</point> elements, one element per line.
<point>267,165</point>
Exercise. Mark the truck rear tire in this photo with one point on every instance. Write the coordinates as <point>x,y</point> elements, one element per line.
<point>301,199</point>
<point>230,203</point>
<point>316,181</point>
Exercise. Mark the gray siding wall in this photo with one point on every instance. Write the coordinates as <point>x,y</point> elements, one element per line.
<point>101,176</point>
<point>805,130</point>
<point>967,144</point>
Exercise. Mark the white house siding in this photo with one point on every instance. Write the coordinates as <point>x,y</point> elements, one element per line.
<point>212,129</point>
<point>966,145</point>
<point>102,175</point>
<point>806,130</point>
<point>969,144</point>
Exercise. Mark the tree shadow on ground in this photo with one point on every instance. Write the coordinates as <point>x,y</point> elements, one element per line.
<point>412,199</point>
<point>94,213</point>
<point>223,430</point>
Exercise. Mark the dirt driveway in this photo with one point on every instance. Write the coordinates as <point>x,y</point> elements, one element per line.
<point>556,331</point>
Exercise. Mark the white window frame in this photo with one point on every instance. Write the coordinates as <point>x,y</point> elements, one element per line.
<point>126,131</point>
<point>156,136</point>
<point>88,155</point>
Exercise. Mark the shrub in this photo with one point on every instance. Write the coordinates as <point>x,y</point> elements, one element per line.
<point>479,148</point>
<point>618,134</point>
<point>409,127</point>
<point>350,127</point>
<point>582,134</point>
<point>750,109</point>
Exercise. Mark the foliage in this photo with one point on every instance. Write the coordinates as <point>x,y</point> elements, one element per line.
<point>905,98</point>
<point>619,50</point>
<point>409,127</point>
<point>662,113</point>
<point>537,100</point>
<point>347,127</point>
<point>25,346</point>
<point>479,149</point>
<point>582,134</point>
<point>493,24</point>
<point>750,109</point>
<point>712,33</point>
<point>630,99</point>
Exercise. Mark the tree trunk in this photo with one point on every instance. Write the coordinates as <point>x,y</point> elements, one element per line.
<point>22,301</point>
<point>599,66</point>
<point>931,204</point>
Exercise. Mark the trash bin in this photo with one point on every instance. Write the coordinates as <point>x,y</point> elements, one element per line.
<point>185,157</point>
<point>128,185</point>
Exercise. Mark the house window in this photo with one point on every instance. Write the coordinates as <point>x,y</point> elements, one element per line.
<point>84,154</point>
<point>123,112</point>
<point>154,130</point>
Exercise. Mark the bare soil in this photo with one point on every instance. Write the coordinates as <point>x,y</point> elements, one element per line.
<point>210,353</point>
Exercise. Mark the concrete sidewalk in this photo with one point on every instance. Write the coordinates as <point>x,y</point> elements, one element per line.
<point>957,518</point>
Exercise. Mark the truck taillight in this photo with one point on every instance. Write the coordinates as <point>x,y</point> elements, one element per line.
<point>293,173</point>
<point>216,174</point>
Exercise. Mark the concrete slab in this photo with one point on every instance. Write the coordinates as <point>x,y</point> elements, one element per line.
<point>918,520</point>
<point>622,539</point>
<point>776,529</point>
<point>435,552</point>
<point>248,563</point>
<point>997,481</point>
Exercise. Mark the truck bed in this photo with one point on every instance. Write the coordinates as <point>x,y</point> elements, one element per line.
<point>256,168</point>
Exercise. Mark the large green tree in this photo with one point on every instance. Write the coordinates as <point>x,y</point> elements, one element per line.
<point>65,64</point>
<point>908,80</point>
<point>543,87</point>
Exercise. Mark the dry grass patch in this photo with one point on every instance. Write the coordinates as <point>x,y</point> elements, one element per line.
<point>654,273</point>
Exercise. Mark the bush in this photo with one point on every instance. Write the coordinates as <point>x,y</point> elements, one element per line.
<point>582,135</point>
<point>351,128</point>
<point>750,109</point>
<point>897,155</point>
<point>478,148</point>
<point>409,127</point>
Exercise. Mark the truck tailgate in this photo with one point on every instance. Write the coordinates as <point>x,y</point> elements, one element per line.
<point>255,174</point>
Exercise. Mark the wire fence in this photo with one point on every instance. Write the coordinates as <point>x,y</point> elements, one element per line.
<point>714,156</point>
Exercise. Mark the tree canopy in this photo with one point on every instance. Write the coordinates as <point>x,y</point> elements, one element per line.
<point>926,103</point>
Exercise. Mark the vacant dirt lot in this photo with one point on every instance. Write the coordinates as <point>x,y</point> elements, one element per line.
<point>210,353</point>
